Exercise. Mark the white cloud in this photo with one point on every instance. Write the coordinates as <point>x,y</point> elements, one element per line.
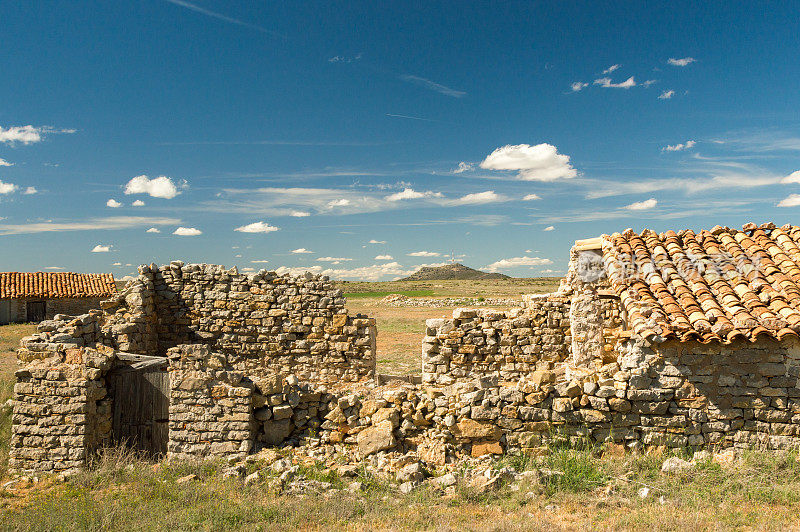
<point>259,261</point>
<point>410,193</point>
<point>53,268</point>
<point>607,83</point>
<point>335,260</point>
<point>516,262</point>
<point>688,145</point>
<point>642,205</point>
<point>187,231</point>
<point>344,59</point>
<point>114,204</point>
<point>27,134</point>
<point>257,227</point>
<point>792,200</point>
<point>373,241</point>
<point>424,254</point>
<point>540,162</point>
<point>478,198</point>
<point>298,270</point>
<point>99,248</point>
<point>138,203</point>
<point>30,190</point>
<point>463,167</point>
<point>531,197</point>
<point>384,257</point>
<point>300,251</point>
<point>610,69</point>
<point>681,62</point>
<point>431,85</point>
<point>794,177</point>
<point>649,82</point>
<point>549,228</point>
<point>300,214</point>
<point>578,86</point>
<point>3,162</point>
<point>158,187</point>
<point>666,95</point>
<point>116,264</point>
<point>248,269</point>
<point>7,188</point>
<point>153,230</point>
<point>339,203</point>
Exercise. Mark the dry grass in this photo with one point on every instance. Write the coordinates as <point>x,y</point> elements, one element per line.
<point>598,492</point>
<point>494,288</point>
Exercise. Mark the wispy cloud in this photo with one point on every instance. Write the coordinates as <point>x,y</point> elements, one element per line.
<point>409,117</point>
<point>531,197</point>
<point>463,167</point>
<point>13,135</point>
<point>642,205</point>
<point>515,262</point>
<point>792,200</point>
<point>431,85</point>
<point>578,86</point>
<point>688,145</point>
<point>549,228</point>
<point>301,251</point>
<point>610,69</point>
<point>666,95</point>
<point>607,83</point>
<point>225,18</point>
<point>92,224</point>
<point>99,248</point>
<point>344,58</point>
<point>410,193</point>
<point>681,62</point>
<point>3,162</point>
<point>424,254</point>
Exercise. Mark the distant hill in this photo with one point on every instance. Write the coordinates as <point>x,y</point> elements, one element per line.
<point>451,272</point>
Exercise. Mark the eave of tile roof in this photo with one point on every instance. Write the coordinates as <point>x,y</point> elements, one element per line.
<point>54,285</point>
<point>761,299</point>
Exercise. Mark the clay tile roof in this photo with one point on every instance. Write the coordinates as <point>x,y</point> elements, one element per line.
<point>716,285</point>
<point>56,285</point>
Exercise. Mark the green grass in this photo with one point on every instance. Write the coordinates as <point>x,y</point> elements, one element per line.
<point>506,288</point>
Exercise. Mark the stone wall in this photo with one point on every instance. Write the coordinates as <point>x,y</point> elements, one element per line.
<point>512,344</point>
<point>61,411</point>
<point>478,342</point>
<point>210,405</point>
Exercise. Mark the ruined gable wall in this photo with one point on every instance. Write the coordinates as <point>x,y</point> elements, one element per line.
<point>264,323</point>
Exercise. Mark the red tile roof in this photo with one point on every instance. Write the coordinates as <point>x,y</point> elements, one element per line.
<point>56,285</point>
<point>721,284</point>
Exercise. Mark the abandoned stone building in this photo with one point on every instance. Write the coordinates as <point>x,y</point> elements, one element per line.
<point>33,297</point>
<point>677,339</point>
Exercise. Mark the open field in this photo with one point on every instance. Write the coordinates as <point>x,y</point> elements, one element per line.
<point>489,288</point>
<point>594,488</point>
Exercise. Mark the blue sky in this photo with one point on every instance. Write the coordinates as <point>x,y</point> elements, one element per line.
<point>362,141</point>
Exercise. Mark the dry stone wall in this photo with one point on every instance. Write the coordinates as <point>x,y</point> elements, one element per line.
<point>61,411</point>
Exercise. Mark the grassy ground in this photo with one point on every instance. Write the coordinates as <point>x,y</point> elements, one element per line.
<point>598,490</point>
<point>493,288</point>
<point>761,491</point>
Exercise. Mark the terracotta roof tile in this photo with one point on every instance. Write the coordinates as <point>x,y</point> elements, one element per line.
<point>720,285</point>
<point>56,285</point>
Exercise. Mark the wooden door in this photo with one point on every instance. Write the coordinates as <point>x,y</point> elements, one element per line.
<point>36,311</point>
<point>141,405</point>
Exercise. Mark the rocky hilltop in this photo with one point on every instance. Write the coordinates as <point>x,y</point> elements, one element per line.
<point>451,272</point>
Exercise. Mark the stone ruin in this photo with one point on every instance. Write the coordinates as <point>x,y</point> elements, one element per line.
<point>195,361</point>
